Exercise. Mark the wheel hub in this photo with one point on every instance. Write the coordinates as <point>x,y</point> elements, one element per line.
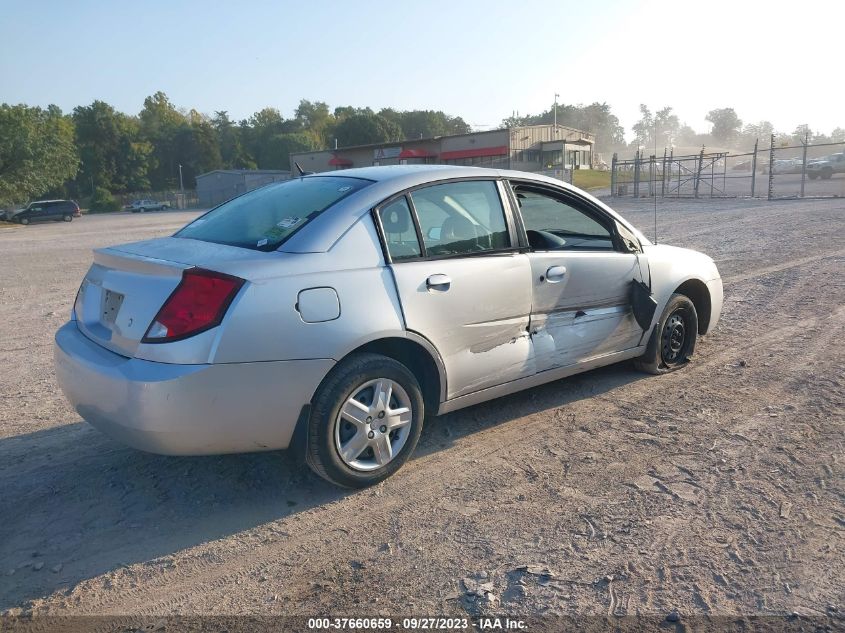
<point>373,424</point>
<point>674,337</point>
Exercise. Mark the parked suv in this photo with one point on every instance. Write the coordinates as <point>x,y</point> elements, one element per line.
<point>825,167</point>
<point>41,210</point>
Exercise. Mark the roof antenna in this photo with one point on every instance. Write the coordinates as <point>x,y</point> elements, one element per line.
<point>301,171</point>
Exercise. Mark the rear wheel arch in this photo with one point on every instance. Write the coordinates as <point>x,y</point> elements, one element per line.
<point>420,357</point>
<point>699,294</point>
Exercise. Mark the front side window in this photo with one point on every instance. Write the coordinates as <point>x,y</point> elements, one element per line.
<point>265,218</point>
<point>552,224</point>
<point>458,218</point>
<point>400,236</point>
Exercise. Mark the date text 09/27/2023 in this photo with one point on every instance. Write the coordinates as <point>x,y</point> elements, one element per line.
<point>419,624</point>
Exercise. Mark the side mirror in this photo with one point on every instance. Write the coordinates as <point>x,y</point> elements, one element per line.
<point>434,233</point>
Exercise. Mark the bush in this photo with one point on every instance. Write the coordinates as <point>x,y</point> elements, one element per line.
<point>102,201</point>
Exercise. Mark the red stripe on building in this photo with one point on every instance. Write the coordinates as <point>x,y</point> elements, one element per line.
<point>479,151</point>
<point>416,153</point>
<point>336,161</point>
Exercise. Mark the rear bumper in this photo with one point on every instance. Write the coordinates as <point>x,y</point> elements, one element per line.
<point>185,409</point>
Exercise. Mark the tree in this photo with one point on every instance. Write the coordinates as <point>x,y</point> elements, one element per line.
<point>102,201</point>
<point>425,123</point>
<point>643,128</point>
<point>726,125</point>
<point>801,134</point>
<point>666,126</point>
<point>232,151</point>
<point>160,121</point>
<point>257,131</point>
<point>595,118</point>
<point>838,135</point>
<point>280,147</point>
<point>196,148</point>
<point>757,132</point>
<point>37,151</point>
<point>362,129</point>
<point>316,120</point>
<point>111,151</point>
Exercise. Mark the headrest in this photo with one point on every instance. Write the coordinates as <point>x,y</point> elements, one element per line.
<point>395,219</point>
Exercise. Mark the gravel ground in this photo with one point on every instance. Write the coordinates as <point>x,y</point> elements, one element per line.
<point>717,490</point>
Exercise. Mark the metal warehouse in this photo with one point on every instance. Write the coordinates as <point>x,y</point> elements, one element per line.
<point>536,148</point>
<point>219,185</point>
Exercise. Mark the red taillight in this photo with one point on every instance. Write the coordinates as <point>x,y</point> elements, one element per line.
<point>198,304</point>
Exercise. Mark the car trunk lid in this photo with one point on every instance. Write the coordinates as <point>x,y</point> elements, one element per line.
<point>127,285</point>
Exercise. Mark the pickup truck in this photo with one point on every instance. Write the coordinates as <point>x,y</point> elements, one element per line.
<point>827,166</point>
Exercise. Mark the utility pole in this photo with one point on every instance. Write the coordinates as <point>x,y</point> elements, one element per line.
<point>181,186</point>
<point>556,96</point>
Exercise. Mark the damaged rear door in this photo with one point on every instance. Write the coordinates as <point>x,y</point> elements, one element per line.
<point>462,282</point>
<point>581,278</point>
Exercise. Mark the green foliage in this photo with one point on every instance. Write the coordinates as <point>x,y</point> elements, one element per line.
<point>112,152</point>
<point>726,125</point>
<point>37,151</point>
<point>103,202</point>
<point>361,129</point>
<point>595,118</point>
<point>281,146</point>
<point>43,152</point>
<point>663,127</point>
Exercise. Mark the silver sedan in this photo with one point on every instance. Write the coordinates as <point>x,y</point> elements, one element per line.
<point>330,313</point>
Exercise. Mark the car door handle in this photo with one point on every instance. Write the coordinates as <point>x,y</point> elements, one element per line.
<point>438,282</point>
<point>555,274</point>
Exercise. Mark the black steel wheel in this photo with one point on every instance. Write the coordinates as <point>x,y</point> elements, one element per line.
<point>675,338</point>
<point>672,342</point>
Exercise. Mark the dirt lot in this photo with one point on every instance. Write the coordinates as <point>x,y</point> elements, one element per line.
<point>715,490</point>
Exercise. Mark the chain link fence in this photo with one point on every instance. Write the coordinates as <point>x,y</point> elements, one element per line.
<point>772,172</point>
<point>175,199</point>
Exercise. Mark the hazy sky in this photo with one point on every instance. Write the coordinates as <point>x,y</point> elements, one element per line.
<point>781,61</point>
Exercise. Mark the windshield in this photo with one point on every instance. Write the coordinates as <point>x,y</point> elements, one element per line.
<point>267,217</point>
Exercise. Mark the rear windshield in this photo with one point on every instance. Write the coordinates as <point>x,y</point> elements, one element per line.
<point>267,217</point>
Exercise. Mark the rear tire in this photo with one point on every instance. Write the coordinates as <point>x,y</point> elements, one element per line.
<point>672,343</point>
<point>67,218</point>
<point>365,422</point>
<point>827,174</point>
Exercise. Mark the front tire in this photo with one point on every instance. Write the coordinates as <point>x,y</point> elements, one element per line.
<point>24,221</point>
<point>673,341</point>
<point>365,422</point>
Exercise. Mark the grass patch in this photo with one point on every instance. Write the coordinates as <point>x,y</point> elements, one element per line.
<point>590,179</point>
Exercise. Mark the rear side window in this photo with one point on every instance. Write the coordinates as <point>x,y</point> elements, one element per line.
<point>459,218</point>
<point>400,236</point>
<point>267,217</point>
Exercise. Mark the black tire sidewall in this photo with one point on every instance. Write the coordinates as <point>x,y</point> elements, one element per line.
<point>342,381</point>
<point>678,302</point>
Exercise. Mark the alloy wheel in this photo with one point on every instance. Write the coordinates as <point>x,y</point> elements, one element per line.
<point>373,424</point>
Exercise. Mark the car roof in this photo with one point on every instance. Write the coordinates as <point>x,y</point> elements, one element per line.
<point>320,234</point>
